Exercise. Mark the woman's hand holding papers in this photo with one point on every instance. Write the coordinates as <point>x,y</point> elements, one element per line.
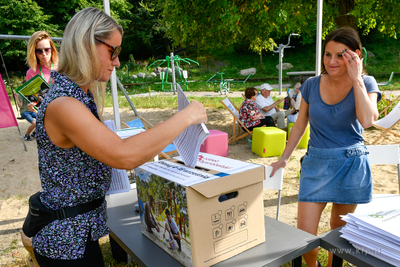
<point>196,112</point>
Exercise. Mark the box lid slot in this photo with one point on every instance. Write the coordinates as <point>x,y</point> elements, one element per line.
<point>230,183</point>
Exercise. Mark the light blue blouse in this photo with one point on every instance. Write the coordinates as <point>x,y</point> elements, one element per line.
<point>333,126</point>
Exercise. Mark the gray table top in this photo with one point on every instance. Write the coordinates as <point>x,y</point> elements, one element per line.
<point>340,247</point>
<point>283,242</point>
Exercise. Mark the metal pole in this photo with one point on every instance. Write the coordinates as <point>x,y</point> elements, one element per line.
<point>281,49</point>
<point>121,86</point>
<point>319,38</point>
<point>24,37</point>
<point>113,81</point>
<point>173,72</point>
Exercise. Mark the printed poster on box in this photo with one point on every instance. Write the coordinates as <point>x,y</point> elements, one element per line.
<point>202,215</point>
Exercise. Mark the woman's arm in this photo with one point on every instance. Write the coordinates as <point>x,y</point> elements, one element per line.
<point>69,123</point>
<point>273,106</point>
<point>296,134</point>
<point>366,103</point>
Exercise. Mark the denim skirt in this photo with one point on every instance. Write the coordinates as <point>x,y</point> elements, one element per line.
<point>338,175</point>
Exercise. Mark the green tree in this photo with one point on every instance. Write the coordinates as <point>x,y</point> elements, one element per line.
<point>144,35</point>
<point>210,24</point>
<point>20,17</point>
<point>62,11</point>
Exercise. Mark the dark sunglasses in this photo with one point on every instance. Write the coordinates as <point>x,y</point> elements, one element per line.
<point>115,49</point>
<point>44,50</point>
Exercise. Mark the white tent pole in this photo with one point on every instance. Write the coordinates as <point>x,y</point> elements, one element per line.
<point>113,80</point>
<point>319,38</point>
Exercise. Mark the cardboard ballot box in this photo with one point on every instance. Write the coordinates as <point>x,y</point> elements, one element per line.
<point>202,215</point>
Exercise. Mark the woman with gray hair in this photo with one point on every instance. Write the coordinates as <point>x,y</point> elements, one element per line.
<point>76,150</point>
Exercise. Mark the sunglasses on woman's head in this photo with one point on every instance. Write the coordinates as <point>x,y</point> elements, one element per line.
<point>115,49</point>
<point>44,50</point>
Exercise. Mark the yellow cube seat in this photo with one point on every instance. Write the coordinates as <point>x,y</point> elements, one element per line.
<point>268,141</point>
<point>304,140</point>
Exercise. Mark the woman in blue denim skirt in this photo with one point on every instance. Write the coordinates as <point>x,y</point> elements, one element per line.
<point>338,104</point>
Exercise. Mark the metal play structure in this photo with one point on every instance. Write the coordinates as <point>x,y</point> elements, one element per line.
<point>171,61</point>
<point>224,84</point>
<point>280,50</point>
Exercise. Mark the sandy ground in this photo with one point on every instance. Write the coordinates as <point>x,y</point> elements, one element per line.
<point>19,176</point>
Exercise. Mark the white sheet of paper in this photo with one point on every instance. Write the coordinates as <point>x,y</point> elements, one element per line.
<point>178,173</point>
<point>119,178</point>
<point>189,141</point>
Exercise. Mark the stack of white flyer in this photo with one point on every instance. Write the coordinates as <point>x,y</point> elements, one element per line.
<point>375,228</point>
<point>189,141</point>
<point>119,178</point>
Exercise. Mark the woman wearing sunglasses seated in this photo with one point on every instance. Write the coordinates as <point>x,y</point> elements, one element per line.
<point>76,150</point>
<point>42,58</point>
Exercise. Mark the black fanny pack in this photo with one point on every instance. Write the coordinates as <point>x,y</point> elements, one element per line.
<point>39,216</point>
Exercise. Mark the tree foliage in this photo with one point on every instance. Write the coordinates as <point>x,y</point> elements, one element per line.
<point>150,26</point>
<point>20,17</point>
<point>380,14</point>
<point>209,24</point>
<point>144,35</point>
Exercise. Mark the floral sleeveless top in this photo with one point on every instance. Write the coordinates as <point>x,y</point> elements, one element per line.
<point>69,177</point>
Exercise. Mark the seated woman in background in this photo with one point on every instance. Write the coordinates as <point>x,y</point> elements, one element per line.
<point>250,116</point>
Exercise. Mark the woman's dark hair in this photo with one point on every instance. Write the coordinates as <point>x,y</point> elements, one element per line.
<point>250,92</point>
<point>347,36</point>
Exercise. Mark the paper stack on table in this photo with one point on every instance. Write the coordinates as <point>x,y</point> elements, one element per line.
<point>375,229</point>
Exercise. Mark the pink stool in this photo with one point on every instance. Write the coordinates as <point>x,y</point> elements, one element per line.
<point>216,143</point>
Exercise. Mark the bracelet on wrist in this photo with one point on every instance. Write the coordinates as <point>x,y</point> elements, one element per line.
<point>284,159</point>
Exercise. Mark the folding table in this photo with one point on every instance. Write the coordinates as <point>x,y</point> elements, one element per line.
<point>284,243</point>
<point>343,250</point>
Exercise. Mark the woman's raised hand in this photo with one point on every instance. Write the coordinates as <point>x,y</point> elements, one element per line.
<point>354,63</point>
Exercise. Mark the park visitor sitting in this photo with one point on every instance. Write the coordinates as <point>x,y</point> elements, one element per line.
<point>250,116</point>
<point>268,107</point>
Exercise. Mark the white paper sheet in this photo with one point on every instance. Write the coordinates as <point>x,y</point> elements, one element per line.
<point>189,141</point>
<point>177,172</point>
<point>119,178</point>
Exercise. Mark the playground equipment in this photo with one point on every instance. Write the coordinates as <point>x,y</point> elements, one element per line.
<point>280,50</point>
<point>224,84</point>
<point>171,61</point>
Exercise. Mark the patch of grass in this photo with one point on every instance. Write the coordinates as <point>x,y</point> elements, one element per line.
<point>152,100</point>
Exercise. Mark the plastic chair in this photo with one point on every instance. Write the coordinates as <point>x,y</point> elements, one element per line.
<point>137,123</point>
<point>385,154</point>
<point>242,131</point>
<point>387,123</point>
<point>381,155</point>
<point>388,82</point>
<point>274,182</point>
